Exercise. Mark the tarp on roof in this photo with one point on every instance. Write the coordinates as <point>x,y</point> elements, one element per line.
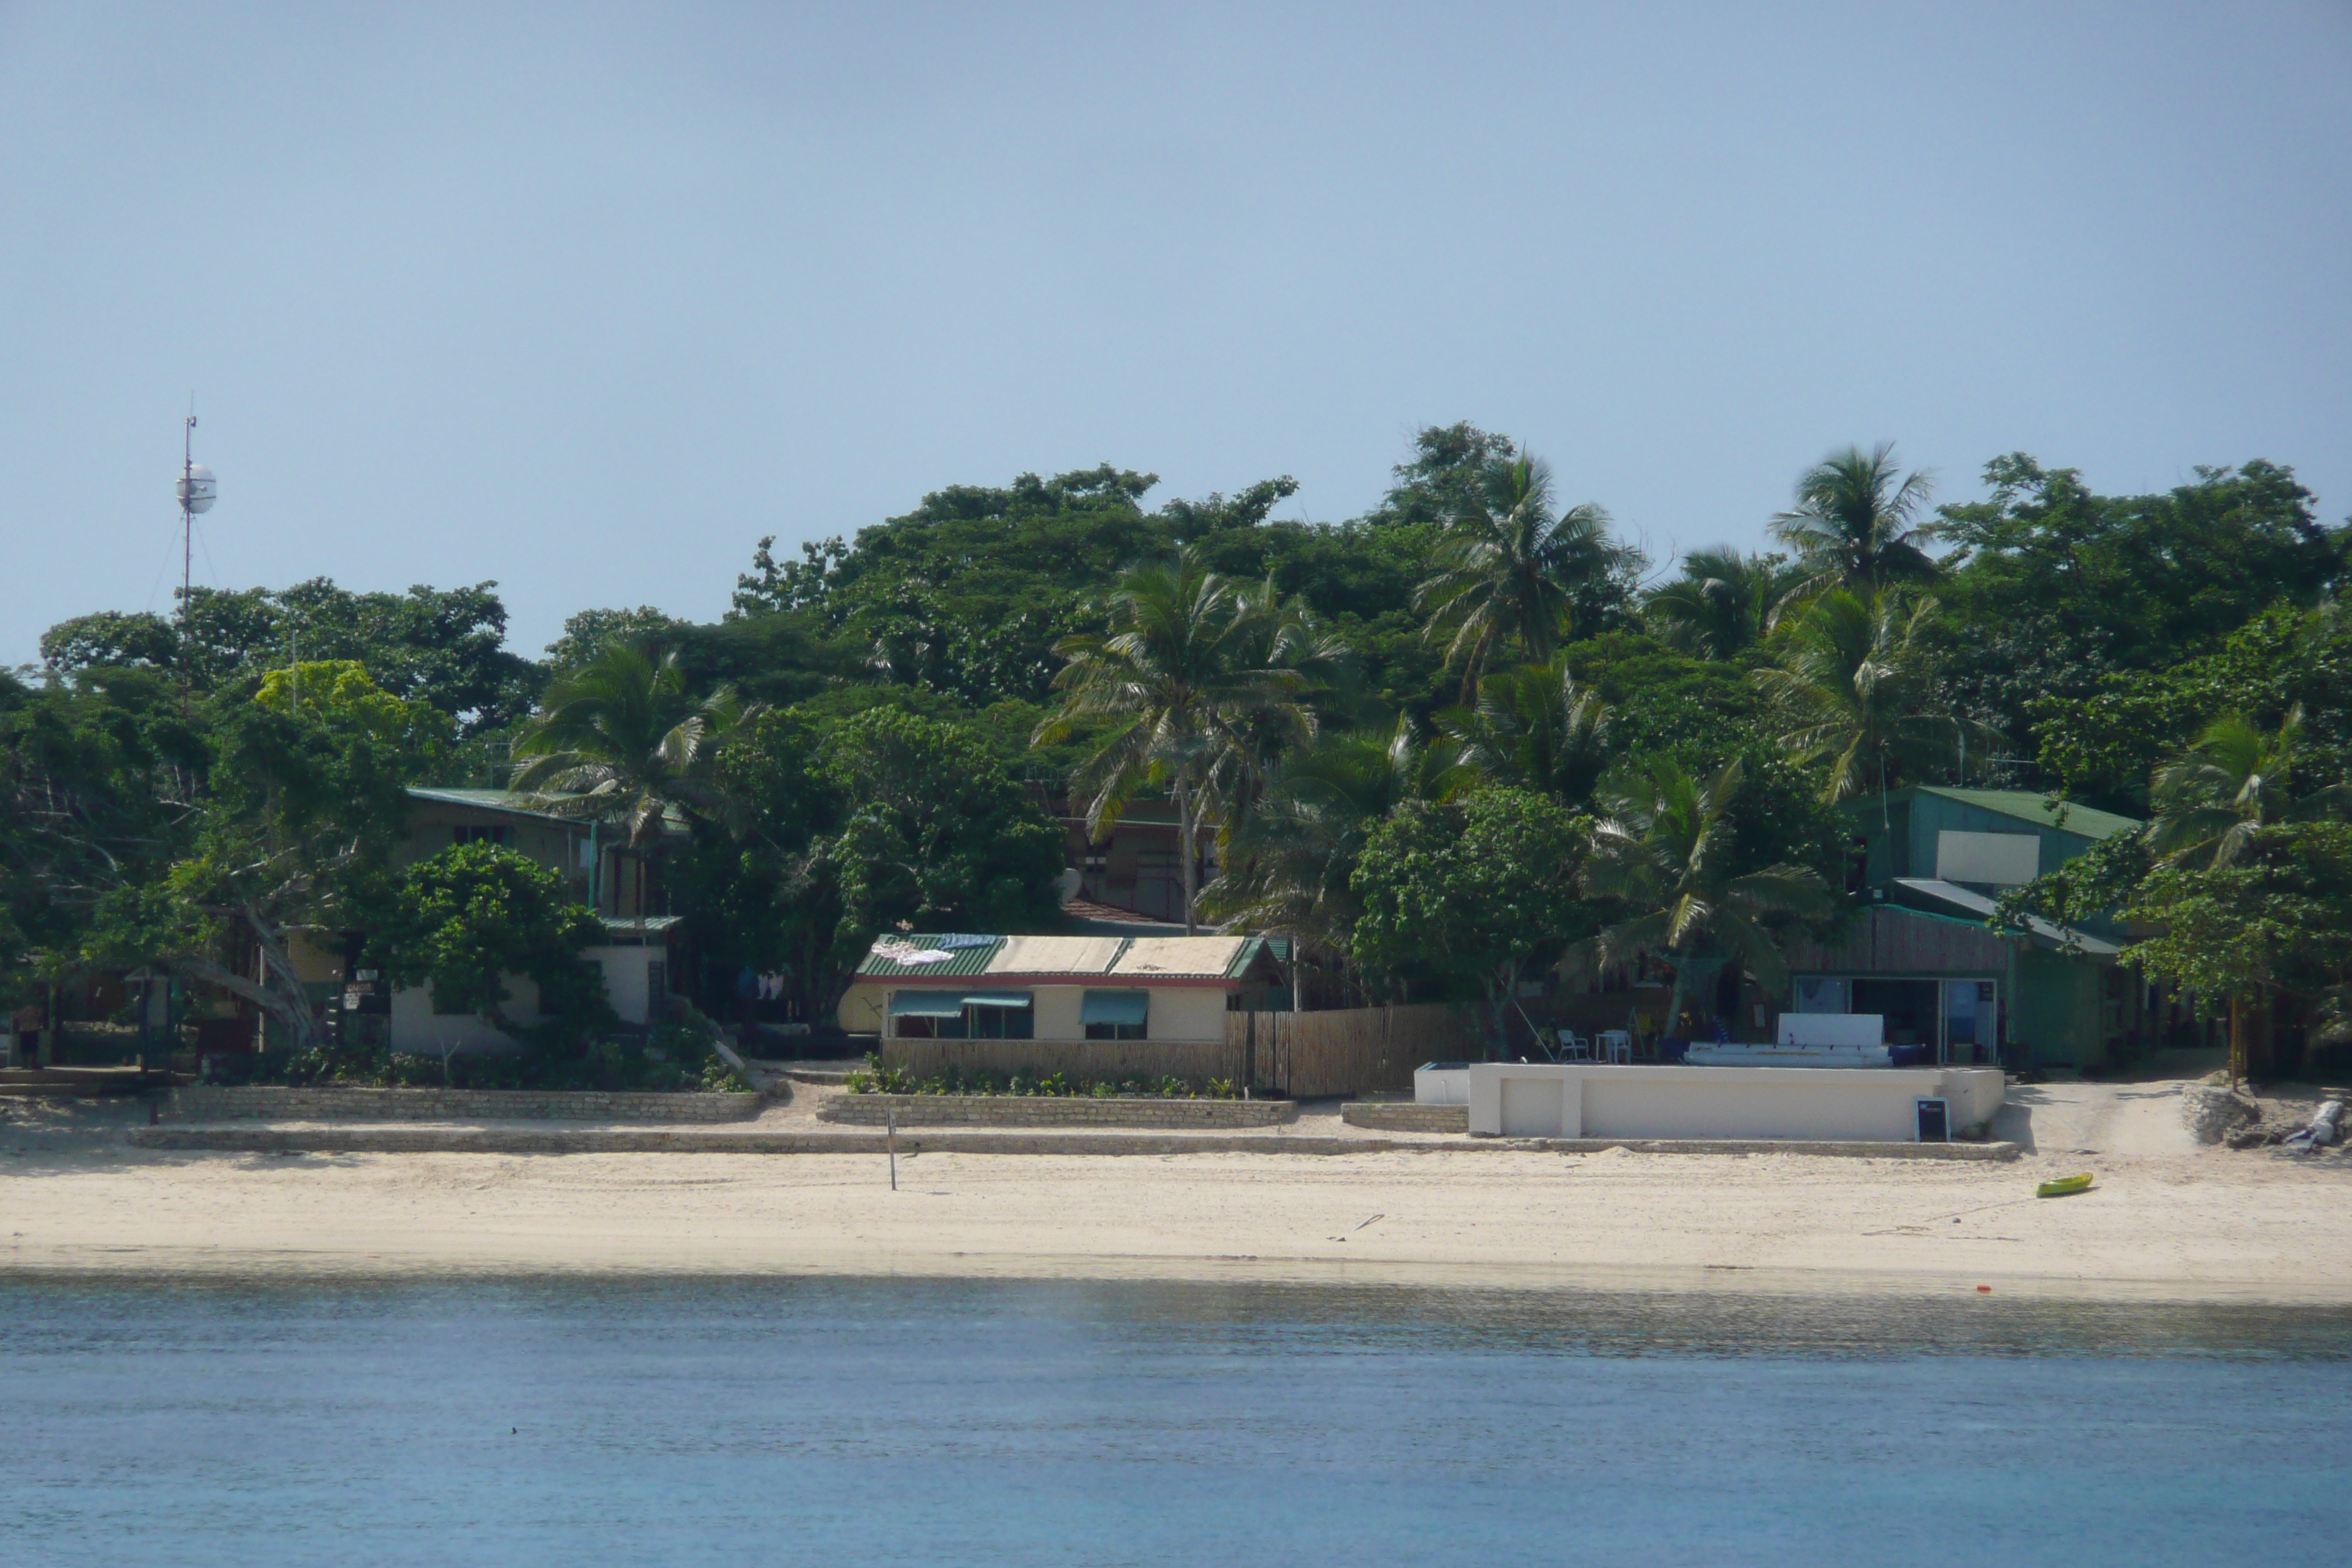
<point>927,1004</point>
<point>1115,1008</point>
<point>1056,955</point>
<point>929,956</point>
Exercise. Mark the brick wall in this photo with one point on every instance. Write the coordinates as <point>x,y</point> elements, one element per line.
<point>258,1103</point>
<point>1402,1116</point>
<point>1025,1110</point>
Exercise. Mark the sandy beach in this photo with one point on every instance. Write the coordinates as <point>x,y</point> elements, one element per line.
<point>2168,1219</point>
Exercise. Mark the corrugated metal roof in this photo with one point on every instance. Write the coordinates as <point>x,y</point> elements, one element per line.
<point>2024,804</point>
<point>519,803</point>
<point>962,955</point>
<point>1134,958</point>
<point>1954,896</point>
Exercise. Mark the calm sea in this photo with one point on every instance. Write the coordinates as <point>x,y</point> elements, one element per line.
<point>854,1421</point>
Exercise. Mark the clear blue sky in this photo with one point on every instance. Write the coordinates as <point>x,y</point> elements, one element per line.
<point>585,298</point>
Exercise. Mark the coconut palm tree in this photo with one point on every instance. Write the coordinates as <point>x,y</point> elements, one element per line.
<point>624,739</point>
<point>1854,524</point>
<point>1532,727</point>
<point>1287,868</point>
<point>1509,568</point>
<point>1197,690</point>
<point>1857,685</point>
<point>2236,780</point>
<point>1722,603</point>
<point>1664,852</point>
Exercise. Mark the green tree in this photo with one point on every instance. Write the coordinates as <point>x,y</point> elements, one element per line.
<point>1855,525</point>
<point>1193,688</point>
<point>626,739</point>
<point>934,831</point>
<point>1722,603</point>
<point>1667,854</point>
<point>1289,868</point>
<point>1856,682</point>
<point>1513,573</point>
<point>1471,892</point>
<point>1533,728</point>
<point>587,633</point>
<point>2276,918</point>
<point>467,920</point>
<point>2236,781</point>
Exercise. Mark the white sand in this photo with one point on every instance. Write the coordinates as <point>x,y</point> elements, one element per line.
<point>2167,1220</point>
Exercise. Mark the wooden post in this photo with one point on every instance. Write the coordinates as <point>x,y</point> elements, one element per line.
<point>891,1142</point>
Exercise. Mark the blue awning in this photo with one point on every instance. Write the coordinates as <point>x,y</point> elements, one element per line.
<point>1115,1008</point>
<point>996,998</point>
<point>927,1004</point>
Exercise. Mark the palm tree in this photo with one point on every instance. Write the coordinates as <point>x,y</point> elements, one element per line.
<point>1722,603</point>
<point>1858,689</point>
<point>1532,727</point>
<point>1199,688</point>
<point>1509,570</point>
<point>1666,852</point>
<point>623,738</point>
<point>1287,868</point>
<point>2236,781</point>
<point>1854,525</point>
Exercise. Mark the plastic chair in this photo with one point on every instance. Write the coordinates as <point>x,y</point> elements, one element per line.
<point>1575,1047</point>
<point>1616,1046</point>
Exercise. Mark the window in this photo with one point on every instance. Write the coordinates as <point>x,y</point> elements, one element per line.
<point>1117,1015</point>
<point>470,833</point>
<point>962,1016</point>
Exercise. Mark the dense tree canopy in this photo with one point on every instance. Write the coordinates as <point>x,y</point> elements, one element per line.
<point>1437,742</point>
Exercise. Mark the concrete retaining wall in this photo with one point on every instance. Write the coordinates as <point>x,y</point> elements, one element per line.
<point>615,1141</point>
<point>1195,1061</point>
<point>1028,1111</point>
<point>1400,1116</point>
<point>263,1103</point>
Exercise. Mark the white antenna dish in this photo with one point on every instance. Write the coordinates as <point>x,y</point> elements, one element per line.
<point>197,488</point>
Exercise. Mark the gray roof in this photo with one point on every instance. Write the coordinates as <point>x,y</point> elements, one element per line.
<point>1941,897</point>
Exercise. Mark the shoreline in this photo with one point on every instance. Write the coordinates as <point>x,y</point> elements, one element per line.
<point>2167,1221</point>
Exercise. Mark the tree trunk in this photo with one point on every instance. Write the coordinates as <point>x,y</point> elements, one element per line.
<point>2237,1039</point>
<point>1188,840</point>
<point>1674,1000</point>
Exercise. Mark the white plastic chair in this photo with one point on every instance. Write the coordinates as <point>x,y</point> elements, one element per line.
<point>1616,1046</point>
<point>1575,1047</point>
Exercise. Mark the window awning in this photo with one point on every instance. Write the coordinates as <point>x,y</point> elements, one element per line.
<point>996,998</point>
<point>927,1004</point>
<point>1115,1008</point>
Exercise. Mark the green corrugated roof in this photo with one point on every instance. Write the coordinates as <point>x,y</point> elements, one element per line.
<point>971,959</point>
<point>516,801</point>
<point>2027,806</point>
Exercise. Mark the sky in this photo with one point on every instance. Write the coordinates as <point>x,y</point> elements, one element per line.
<point>585,299</point>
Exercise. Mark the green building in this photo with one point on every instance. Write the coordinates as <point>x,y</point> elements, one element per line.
<point>1929,863</point>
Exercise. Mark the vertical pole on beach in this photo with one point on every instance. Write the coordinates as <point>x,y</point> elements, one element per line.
<point>891,1142</point>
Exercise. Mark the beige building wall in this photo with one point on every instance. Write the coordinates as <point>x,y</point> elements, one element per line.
<point>1179,1013</point>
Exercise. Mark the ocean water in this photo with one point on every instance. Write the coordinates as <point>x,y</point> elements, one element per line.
<point>887,1421</point>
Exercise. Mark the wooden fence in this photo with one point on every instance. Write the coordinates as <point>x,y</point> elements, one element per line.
<point>1348,1051</point>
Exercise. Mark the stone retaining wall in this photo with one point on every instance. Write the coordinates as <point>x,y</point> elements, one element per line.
<point>1037,1110</point>
<point>1405,1115</point>
<point>258,1103</point>
<point>869,1141</point>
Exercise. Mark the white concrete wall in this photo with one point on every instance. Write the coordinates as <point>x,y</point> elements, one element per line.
<point>417,1028</point>
<point>1447,1086</point>
<point>1536,1099</point>
<point>625,977</point>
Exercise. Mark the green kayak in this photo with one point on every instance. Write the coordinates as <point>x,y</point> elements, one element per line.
<point>2064,1187</point>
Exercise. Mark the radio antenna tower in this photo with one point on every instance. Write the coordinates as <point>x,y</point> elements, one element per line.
<point>198,493</point>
